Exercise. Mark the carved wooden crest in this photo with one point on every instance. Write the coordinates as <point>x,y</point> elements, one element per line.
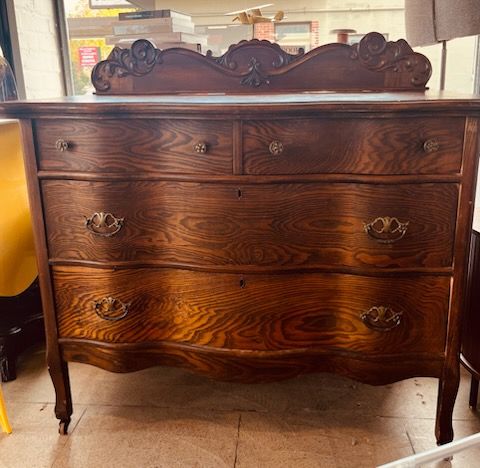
<point>260,66</point>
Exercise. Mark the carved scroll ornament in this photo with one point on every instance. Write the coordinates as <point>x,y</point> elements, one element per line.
<point>375,53</point>
<point>373,64</point>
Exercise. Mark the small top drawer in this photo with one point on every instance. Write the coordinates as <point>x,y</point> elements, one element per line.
<point>354,146</point>
<point>143,145</point>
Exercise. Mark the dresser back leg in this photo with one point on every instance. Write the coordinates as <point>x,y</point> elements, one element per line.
<point>473,393</point>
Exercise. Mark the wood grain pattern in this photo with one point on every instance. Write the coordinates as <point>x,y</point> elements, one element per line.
<point>302,225</point>
<point>290,104</point>
<point>245,266</point>
<point>154,145</point>
<point>257,65</point>
<point>359,146</point>
<point>253,312</point>
<point>57,366</point>
<point>450,379</point>
<point>251,367</point>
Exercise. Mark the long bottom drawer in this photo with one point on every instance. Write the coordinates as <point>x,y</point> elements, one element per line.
<point>368,315</point>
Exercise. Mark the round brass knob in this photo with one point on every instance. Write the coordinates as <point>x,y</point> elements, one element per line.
<point>62,145</point>
<point>275,148</point>
<point>200,147</point>
<point>430,146</point>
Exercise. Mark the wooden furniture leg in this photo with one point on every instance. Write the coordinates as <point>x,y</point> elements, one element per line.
<point>447,392</point>
<point>58,370</point>
<point>473,399</point>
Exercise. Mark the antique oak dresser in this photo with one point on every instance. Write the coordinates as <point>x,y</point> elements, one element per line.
<point>255,216</point>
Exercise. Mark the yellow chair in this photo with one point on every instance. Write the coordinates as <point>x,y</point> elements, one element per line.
<point>17,255</point>
<point>21,321</point>
<point>4,424</point>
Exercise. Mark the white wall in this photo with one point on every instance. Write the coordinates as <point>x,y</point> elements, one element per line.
<point>38,48</point>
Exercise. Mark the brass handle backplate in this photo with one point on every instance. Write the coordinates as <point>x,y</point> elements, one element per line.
<point>62,145</point>
<point>111,309</point>
<point>381,318</point>
<point>386,230</point>
<point>104,224</point>
<point>430,146</point>
<point>276,148</point>
<point>200,147</point>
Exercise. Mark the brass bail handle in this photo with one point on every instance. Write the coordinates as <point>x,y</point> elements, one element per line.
<point>104,224</point>
<point>386,229</point>
<point>381,318</point>
<point>110,308</point>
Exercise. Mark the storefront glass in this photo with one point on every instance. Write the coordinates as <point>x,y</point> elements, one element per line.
<point>96,26</point>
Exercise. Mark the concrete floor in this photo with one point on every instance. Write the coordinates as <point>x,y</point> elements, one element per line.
<point>163,417</point>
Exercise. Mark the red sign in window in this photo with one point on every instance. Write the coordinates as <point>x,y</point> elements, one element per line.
<point>89,56</point>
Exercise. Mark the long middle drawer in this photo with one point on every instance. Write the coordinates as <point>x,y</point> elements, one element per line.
<point>257,225</point>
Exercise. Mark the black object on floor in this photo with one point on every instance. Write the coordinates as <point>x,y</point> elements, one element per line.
<point>21,325</point>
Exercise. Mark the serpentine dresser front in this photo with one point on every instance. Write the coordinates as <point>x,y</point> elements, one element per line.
<point>272,231</point>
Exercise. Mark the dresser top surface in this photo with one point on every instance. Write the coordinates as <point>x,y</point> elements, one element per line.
<point>224,103</point>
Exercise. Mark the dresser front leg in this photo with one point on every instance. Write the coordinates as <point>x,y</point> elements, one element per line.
<point>447,393</point>
<point>58,370</point>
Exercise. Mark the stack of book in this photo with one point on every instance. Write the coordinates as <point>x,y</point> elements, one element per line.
<point>164,28</point>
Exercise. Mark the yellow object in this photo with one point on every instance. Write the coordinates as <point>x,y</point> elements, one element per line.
<point>18,266</point>
<point>4,424</point>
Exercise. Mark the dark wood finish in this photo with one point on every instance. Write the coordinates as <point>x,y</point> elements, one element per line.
<point>360,146</point>
<point>135,145</point>
<point>249,106</point>
<point>57,366</point>
<point>473,396</point>
<point>225,311</point>
<point>470,357</point>
<point>250,366</point>
<point>450,379</point>
<point>21,326</point>
<point>253,265</point>
<point>261,225</point>
<point>371,64</point>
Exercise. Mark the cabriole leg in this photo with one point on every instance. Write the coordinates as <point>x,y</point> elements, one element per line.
<point>447,392</point>
<point>61,381</point>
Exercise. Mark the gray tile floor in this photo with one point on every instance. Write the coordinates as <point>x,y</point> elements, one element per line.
<point>163,417</point>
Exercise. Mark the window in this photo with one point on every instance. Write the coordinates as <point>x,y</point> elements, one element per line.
<point>203,25</point>
<point>295,36</point>
<point>356,38</point>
